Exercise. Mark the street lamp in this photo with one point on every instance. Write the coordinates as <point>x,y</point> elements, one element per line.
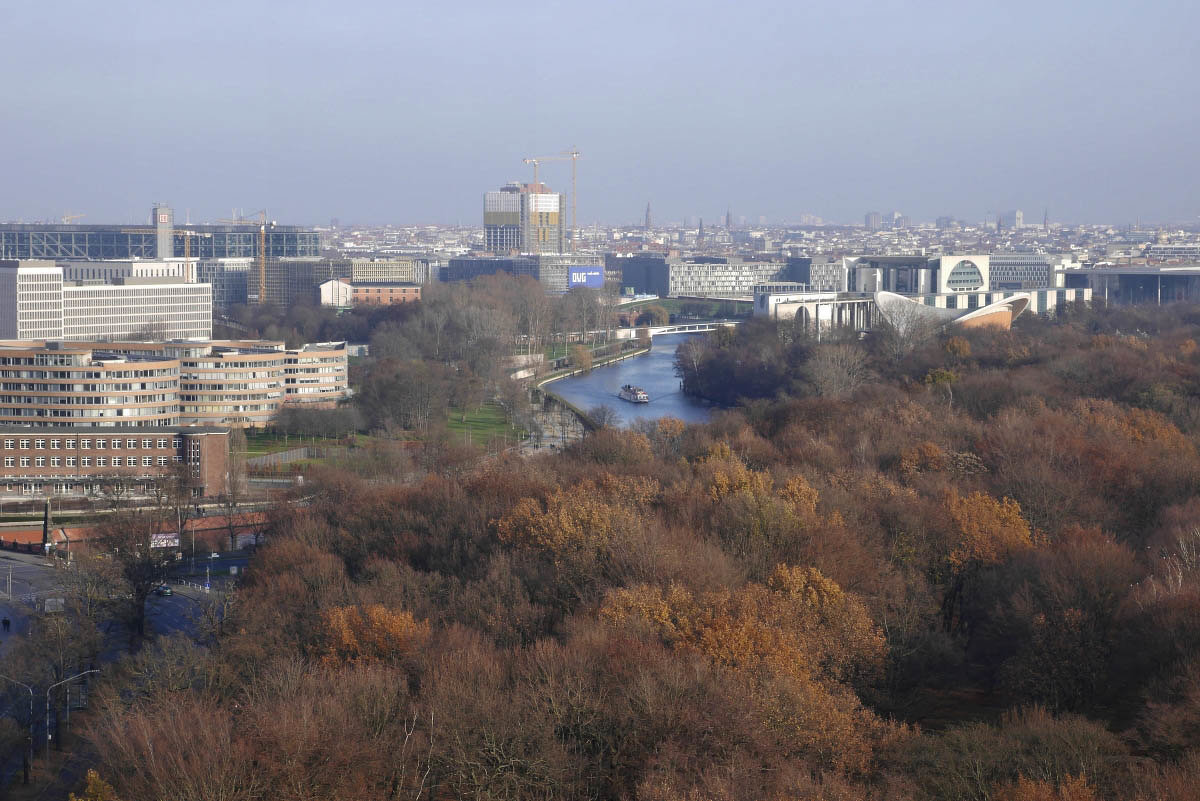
<point>27,762</point>
<point>48,689</point>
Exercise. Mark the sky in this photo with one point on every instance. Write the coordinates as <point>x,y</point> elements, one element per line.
<point>395,112</point>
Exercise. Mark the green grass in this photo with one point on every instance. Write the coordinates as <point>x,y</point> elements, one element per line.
<point>482,425</point>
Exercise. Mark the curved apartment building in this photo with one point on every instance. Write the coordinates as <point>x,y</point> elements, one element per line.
<point>231,385</point>
<point>221,383</point>
<point>58,385</point>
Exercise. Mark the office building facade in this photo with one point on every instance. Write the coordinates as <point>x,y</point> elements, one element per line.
<point>86,461</point>
<point>37,303</point>
<point>551,270</point>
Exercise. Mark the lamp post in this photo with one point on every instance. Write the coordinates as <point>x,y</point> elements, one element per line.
<point>48,692</point>
<point>27,762</point>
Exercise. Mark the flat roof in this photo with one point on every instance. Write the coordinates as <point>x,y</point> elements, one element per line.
<point>145,431</point>
<point>1136,269</point>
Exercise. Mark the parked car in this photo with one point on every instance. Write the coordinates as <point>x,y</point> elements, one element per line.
<point>163,589</point>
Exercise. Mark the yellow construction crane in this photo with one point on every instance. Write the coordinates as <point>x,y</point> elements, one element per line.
<point>187,251</point>
<point>572,156</point>
<point>66,218</point>
<point>187,246</point>
<point>262,247</point>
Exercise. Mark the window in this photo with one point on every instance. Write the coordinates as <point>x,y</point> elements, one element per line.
<point>116,446</point>
<point>162,461</point>
<point>39,444</point>
<point>24,444</point>
<point>55,461</point>
<point>101,461</point>
<point>70,461</point>
<point>146,443</point>
<point>101,444</point>
<point>24,461</point>
<point>86,461</point>
<point>8,444</point>
<point>40,461</point>
<point>129,443</point>
<point>9,461</point>
<point>69,444</point>
<point>177,442</point>
<point>116,461</point>
<point>162,443</point>
<point>147,461</point>
<point>178,459</point>
<point>85,443</point>
<point>55,444</point>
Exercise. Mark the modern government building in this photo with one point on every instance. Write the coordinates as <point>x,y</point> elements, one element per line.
<point>160,240</point>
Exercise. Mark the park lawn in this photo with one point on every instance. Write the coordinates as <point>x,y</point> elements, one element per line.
<point>260,443</point>
<point>482,425</point>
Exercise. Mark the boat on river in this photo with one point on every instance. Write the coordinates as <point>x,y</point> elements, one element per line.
<point>633,394</point>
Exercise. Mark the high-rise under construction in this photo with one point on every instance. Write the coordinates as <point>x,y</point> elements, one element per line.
<point>524,218</point>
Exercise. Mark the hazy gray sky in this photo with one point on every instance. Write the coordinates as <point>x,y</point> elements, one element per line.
<point>397,112</point>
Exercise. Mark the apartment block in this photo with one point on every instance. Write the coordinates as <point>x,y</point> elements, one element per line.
<point>156,384</point>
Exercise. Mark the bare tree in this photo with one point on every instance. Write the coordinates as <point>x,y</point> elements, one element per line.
<point>837,370</point>
<point>903,327</point>
<point>233,495</point>
<point>134,537</point>
<point>603,416</point>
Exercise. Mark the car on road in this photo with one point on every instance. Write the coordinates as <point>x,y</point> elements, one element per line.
<point>163,589</point>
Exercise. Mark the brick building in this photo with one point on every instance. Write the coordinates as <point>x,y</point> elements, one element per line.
<point>386,294</point>
<point>84,460</point>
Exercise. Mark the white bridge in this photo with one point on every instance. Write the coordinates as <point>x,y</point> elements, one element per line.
<point>683,328</point>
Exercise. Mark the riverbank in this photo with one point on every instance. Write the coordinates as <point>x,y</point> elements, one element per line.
<point>653,371</point>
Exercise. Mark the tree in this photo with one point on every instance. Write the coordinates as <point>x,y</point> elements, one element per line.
<point>581,358</point>
<point>653,315</point>
<point>131,536</point>
<point>837,370</point>
<point>97,789</point>
<point>234,493</point>
<point>603,416</point>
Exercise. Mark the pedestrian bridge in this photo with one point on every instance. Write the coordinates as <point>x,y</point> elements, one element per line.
<point>683,328</point>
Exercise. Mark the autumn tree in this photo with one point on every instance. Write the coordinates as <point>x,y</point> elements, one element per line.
<point>983,533</point>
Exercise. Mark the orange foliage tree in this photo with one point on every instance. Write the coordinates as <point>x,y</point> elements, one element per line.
<point>355,635</point>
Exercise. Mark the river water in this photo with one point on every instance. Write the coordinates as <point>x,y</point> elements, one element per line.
<point>653,372</point>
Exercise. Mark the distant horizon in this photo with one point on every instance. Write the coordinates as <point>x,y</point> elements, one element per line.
<point>716,222</point>
<point>373,111</point>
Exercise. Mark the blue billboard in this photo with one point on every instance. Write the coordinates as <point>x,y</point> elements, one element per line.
<point>590,277</point>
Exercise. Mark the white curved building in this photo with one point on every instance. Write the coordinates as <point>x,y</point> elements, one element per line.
<point>904,312</point>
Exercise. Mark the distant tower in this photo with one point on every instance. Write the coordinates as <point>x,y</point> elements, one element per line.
<point>1046,220</point>
<point>647,215</point>
<point>700,233</point>
<point>729,219</point>
<point>163,220</point>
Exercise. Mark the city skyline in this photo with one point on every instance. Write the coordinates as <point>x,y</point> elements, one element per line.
<point>376,114</point>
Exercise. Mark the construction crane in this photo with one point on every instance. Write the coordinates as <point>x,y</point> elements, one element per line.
<point>66,218</point>
<point>187,235</point>
<point>262,247</point>
<point>572,156</point>
<point>187,246</point>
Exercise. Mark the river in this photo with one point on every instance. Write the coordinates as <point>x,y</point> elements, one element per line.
<point>653,372</point>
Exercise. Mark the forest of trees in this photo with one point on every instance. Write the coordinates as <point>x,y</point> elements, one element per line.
<point>966,566</point>
<point>453,348</point>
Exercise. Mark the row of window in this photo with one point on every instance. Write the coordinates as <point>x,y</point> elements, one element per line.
<point>86,444</point>
<point>86,461</point>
